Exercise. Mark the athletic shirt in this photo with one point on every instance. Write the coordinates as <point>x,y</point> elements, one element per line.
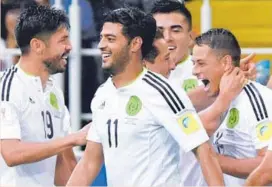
<point>30,114</point>
<point>141,127</point>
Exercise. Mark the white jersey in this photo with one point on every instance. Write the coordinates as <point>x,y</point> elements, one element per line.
<point>141,127</point>
<point>30,114</point>
<point>247,126</point>
<point>183,76</point>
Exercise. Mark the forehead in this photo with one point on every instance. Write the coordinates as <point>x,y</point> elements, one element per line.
<point>110,28</point>
<point>202,52</point>
<point>61,31</point>
<point>169,19</point>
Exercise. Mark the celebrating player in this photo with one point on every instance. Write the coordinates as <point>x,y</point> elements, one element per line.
<point>139,119</point>
<point>34,121</point>
<point>242,138</point>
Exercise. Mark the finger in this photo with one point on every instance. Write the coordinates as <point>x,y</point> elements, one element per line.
<point>248,58</point>
<point>235,71</point>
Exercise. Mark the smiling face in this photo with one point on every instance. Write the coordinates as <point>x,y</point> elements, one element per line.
<point>208,67</point>
<point>114,47</point>
<point>176,32</point>
<point>56,52</point>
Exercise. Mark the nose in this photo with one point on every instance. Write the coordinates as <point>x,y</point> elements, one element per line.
<point>101,44</point>
<point>167,35</point>
<point>196,71</point>
<point>69,46</point>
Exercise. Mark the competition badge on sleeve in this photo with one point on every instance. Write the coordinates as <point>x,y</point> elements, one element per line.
<point>189,123</point>
<point>264,131</point>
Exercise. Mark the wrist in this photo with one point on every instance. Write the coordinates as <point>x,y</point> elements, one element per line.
<point>222,103</point>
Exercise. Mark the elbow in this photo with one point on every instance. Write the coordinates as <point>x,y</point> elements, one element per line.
<point>10,159</point>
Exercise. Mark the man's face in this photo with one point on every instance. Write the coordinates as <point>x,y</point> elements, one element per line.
<point>176,32</point>
<point>114,47</point>
<point>163,64</point>
<point>57,50</point>
<point>208,68</point>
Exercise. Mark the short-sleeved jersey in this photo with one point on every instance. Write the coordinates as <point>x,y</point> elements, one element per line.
<point>31,114</point>
<point>141,127</point>
<point>247,126</point>
<point>183,76</point>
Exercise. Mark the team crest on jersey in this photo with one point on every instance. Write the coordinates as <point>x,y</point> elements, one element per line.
<point>264,131</point>
<point>54,101</point>
<point>189,84</point>
<point>233,118</point>
<point>188,123</point>
<point>134,106</point>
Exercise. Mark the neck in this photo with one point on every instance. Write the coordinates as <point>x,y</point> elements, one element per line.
<point>34,67</point>
<point>130,73</point>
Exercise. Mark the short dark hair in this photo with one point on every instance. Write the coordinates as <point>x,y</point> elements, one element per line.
<point>136,23</point>
<point>154,52</point>
<point>223,41</point>
<point>36,21</point>
<point>169,6</point>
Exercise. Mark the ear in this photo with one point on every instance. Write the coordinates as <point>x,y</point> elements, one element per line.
<point>227,62</point>
<point>192,36</point>
<point>136,44</point>
<point>37,46</point>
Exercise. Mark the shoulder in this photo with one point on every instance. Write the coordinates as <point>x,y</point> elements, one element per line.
<point>101,92</point>
<point>258,96</point>
<point>10,85</point>
<point>159,91</point>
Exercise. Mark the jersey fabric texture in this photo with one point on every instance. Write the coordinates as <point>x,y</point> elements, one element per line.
<point>141,128</point>
<point>247,126</point>
<point>31,114</point>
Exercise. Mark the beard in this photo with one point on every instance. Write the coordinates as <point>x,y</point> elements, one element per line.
<point>53,64</point>
<point>120,61</point>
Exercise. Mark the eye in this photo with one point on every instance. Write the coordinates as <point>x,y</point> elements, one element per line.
<point>177,29</point>
<point>111,39</point>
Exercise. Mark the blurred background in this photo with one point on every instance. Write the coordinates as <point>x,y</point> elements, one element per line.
<point>249,20</point>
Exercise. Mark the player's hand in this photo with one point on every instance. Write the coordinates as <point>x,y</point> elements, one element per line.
<point>81,135</point>
<point>248,66</point>
<point>232,83</point>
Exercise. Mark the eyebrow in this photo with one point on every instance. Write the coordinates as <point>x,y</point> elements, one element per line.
<point>108,35</point>
<point>176,26</point>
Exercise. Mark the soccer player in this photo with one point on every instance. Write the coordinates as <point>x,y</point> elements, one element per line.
<point>139,119</point>
<point>242,138</point>
<point>34,121</point>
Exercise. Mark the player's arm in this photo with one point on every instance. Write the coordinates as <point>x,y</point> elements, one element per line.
<point>66,162</point>
<point>209,164</point>
<point>16,152</point>
<point>240,167</point>
<point>231,85</point>
<point>261,176</point>
<point>89,166</point>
